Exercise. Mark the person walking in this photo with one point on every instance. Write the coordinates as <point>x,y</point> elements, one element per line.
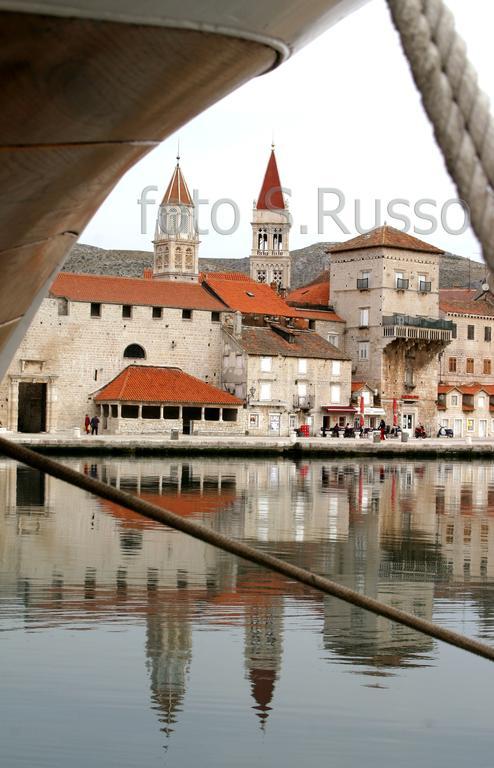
<point>382,428</point>
<point>87,424</point>
<point>94,425</point>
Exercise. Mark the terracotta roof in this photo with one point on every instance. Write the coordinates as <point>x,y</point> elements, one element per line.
<point>154,384</point>
<point>443,389</point>
<point>466,389</point>
<point>313,293</point>
<point>320,314</point>
<point>358,385</point>
<point>466,301</point>
<point>271,197</point>
<point>177,192</point>
<point>385,236</point>
<point>247,296</point>
<point>266,341</point>
<point>132,290</point>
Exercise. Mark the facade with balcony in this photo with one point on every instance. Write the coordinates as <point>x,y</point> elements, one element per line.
<point>287,378</point>
<point>385,284</point>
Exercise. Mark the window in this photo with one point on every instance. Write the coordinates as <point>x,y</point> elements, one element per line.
<point>130,411</point>
<point>151,412</point>
<point>470,332</point>
<point>335,393</point>
<point>487,333</point>
<point>215,317</point>
<point>253,421</point>
<point>266,364</point>
<point>452,364</point>
<point>454,399</point>
<point>363,282</point>
<point>424,285</point>
<point>366,395</point>
<point>126,310</point>
<point>265,390</point>
<point>171,412</point>
<point>488,365</point>
<point>135,351</point>
<point>469,365</point>
<point>401,283</point>
<point>454,331</point>
<point>95,310</point>
<point>114,411</point>
<point>334,339</point>
<point>363,350</point>
<point>186,314</point>
<point>211,414</point>
<point>336,367</point>
<point>470,425</point>
<point>230,414</point>
<point>157,312</point>
<point>302,365</point>
<point>480,401</point>
<point>364,317</point>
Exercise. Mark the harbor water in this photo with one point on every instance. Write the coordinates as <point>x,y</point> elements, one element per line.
<point>124,643</point>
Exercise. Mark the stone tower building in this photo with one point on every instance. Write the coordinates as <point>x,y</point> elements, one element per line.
<point>385,284</point>
<point>176,244</point>
<point>270,256</point>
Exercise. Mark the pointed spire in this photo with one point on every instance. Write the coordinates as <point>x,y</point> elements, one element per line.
<point>271,196</point>
<point>177,192</point>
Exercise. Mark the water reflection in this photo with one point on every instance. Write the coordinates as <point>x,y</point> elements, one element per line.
<point>416,535</point>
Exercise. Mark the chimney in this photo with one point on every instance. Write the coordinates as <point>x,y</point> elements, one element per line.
<point>237,325</point>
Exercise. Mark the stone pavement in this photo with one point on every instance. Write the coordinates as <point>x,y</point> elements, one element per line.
<point>69,442</point>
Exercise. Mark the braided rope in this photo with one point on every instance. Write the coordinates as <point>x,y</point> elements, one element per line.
<point>456,106</point>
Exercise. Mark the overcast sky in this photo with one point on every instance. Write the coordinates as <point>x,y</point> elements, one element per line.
<point>344,114</point>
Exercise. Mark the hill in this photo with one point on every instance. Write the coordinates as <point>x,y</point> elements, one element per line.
<point>307,263</point>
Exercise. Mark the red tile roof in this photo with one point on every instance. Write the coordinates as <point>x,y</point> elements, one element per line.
<point>317,292</point>
<point>443,389</point>
<point>320,314</point>
<point>466,389</point>
<point>154,384</point>
<point>266,341</point>
<point>358,385</point>
<point>131,290</point>
<point>386,236</point>
<point>177,192</point>
<point>466,301</point>
<point>271,196</point>
<point>247,296</point>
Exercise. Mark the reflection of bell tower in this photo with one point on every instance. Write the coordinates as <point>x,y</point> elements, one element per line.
<point>263,632</point>
<point>176,244</point>
<point>169,653</point>
<point>270,257</point>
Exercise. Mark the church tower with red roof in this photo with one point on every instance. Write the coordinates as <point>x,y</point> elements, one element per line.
<point>176,243</point>
<point>270,256</point>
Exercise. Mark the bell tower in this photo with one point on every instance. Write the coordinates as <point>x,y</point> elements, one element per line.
<point>270,255</point>
<point>176,244</point>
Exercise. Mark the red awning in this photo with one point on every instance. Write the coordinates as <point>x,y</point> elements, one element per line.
<point>338,409</point>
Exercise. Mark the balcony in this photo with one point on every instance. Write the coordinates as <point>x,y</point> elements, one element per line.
<point>425,287</point>
<point>417,328</point>
<point>402,284</point>
<point>302,402</point>
<point>363,284</point>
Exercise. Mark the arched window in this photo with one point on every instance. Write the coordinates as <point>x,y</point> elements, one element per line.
<point>166,256</point>
<point>172,221</point>
<point>135,351</point>
<point>178,258</point>
<point>189,263</point>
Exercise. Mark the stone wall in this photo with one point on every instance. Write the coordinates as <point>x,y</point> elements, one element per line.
<point>81,354</point>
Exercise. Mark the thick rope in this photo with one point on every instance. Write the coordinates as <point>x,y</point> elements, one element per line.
<point>242,550</point>
<point>456,106</point>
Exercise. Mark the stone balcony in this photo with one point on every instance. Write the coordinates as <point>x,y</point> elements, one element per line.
<point>412,328</point>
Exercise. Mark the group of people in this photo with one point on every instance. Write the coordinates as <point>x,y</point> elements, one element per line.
<point>91,425</point>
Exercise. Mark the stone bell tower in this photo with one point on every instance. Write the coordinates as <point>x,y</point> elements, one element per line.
<point>270,256</point>
<point>176,244</point>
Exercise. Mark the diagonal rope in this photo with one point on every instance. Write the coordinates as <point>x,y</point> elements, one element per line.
<point>246,552</point>
<point>455,104</point>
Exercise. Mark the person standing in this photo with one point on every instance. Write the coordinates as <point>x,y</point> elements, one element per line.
<point>94,425</point>
<point>382,428</point>
<point>87,424</point>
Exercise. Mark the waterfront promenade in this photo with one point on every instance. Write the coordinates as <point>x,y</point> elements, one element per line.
<point>146,444</point>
